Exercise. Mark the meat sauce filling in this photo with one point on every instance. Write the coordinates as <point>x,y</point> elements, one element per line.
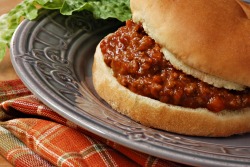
<point>139,65</point>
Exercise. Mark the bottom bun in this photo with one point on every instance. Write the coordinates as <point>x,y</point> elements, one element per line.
<point>155,114</point>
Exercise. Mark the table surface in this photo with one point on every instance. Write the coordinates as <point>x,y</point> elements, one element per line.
<point>6,70</point>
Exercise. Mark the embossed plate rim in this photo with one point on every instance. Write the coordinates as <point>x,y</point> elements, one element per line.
<point>172,151</point>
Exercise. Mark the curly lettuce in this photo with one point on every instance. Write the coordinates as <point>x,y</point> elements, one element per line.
<point>28,9</point>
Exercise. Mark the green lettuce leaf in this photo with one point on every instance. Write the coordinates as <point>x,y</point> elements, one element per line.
<point>28,9</point>
<point>10,21</point>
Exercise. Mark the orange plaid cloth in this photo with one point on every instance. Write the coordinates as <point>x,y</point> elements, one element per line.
<point>31,134</point>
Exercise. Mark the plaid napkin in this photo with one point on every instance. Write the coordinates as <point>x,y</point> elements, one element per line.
<point>31,134</point>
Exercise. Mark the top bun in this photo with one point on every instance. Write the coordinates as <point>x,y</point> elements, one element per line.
<point>210,36</point>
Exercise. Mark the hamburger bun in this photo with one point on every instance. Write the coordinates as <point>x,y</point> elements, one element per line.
<point>211,36</point>
<point>203,50</point>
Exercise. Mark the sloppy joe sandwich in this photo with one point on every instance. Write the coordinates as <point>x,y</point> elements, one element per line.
<point>180,66</point>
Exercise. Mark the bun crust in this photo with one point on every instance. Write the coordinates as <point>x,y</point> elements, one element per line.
<point>152,113</point>
<point>211,36</point>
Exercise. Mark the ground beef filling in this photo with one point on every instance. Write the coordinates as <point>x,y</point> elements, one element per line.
<point>139,65</point>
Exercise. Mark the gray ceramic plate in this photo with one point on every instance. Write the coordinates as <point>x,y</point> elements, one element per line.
<point>53,57</point>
